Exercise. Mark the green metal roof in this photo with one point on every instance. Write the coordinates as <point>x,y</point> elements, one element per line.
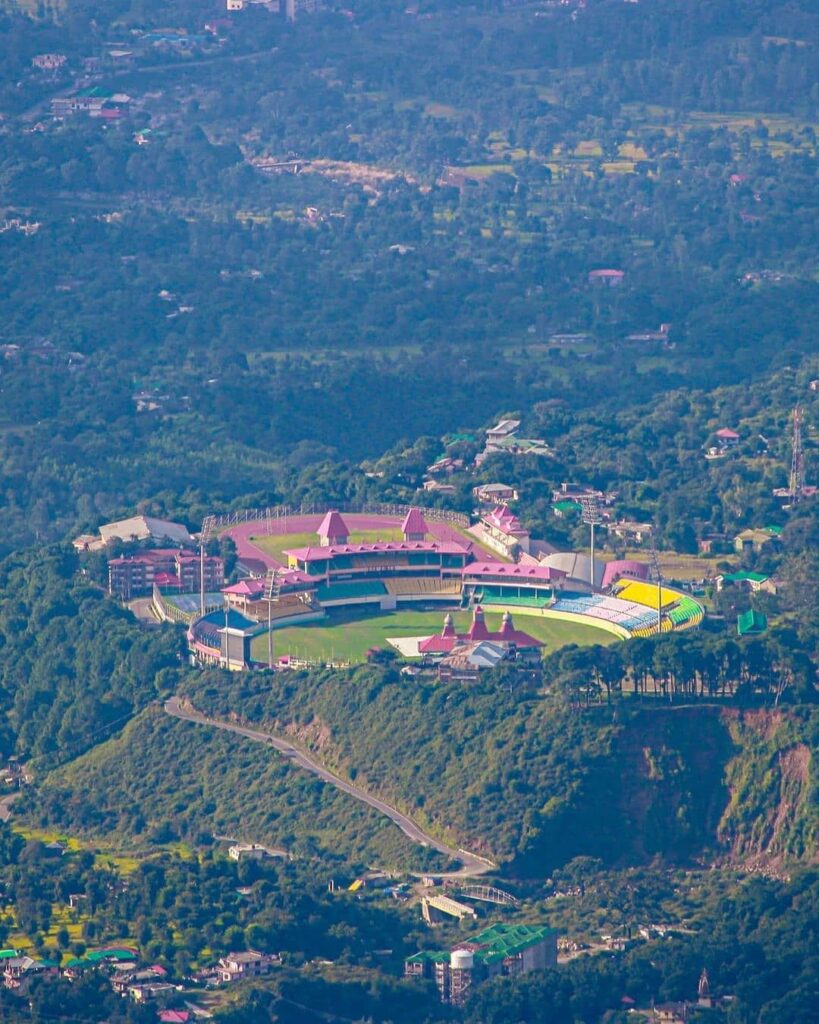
<point>566,506</point>
<point>111,954</point>
<point>751,622</point>
<point>495,943</point>
<point>775,530</point>
<point>435,956</point>
<point>740,577</point>
<point>7,954</point>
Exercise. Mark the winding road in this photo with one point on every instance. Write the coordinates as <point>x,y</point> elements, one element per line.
<point>472,864</point>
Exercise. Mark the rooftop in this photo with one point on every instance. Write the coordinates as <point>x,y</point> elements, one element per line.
<point>320,554</point>
<point>495,943</point>
<point>518,571</point>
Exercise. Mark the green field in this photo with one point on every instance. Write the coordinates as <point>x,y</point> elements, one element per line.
<point>348,634</point>
<point>276,545</point>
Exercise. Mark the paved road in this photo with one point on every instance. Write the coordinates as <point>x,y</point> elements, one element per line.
<point>472,864</point>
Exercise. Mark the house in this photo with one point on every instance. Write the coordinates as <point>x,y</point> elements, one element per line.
<point>146,993</point>
<point>174,1016</point>
<point>49,61</point>
<point>670,1013</point>
<point>20,971</point>
<point>247,851</point>
<point>504,429</point>
<point>755,582</point>
<point>434,487</point>
<point>447,641</point>
<point>755,539</point>
<point>495,494</point>
<point>751,623</point>
<point>628,530</point>
<point>515,445</point>
<point>606,278</point>
<point>726,437</point>
<point>250,964</point>
<point>577,492</point>
<point>659,335</point>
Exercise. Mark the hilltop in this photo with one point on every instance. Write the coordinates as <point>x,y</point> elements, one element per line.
<point>525,781</point>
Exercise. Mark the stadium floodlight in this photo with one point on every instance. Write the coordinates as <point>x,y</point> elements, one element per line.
<point>592,516</point>
<point>658,575</point>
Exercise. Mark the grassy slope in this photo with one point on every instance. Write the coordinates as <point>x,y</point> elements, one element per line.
<point>199,781</point>
<point>350,634</point>
<point>535,785</point>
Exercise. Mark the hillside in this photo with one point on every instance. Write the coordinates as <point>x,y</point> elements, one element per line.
<point>164,780</point>
<point>524,781</point>
<point>534,784</point>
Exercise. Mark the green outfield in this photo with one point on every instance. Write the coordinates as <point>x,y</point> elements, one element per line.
<point>347,635</point>
<point>276,545</point>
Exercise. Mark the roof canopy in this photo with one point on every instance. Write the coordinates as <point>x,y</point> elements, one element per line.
<point>333,527</point>
<point>414,524</point>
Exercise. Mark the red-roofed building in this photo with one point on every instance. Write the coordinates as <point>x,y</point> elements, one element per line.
<point>609,278</point>
<point>727,437</point>
<point>167,568</point>
<point>447,640</point>
<point>503,532</point>
<point>333,530</point>
<point>414,526</point>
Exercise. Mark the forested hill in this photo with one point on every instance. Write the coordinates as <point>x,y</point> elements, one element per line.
<point>179,330</point>
<point>526,781</point>
<point>533,783</point>
<point>74,666</point>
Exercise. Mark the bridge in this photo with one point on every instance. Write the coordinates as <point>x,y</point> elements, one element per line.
<point>488,894</point>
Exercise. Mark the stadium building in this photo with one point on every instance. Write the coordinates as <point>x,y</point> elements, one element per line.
<point>424,567</point>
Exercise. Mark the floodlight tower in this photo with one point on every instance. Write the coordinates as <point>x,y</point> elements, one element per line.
<point>208,525</point>
<point>797,480</point>
<point>272,590</point>
<point>658,575</point>
<point>592,516</point>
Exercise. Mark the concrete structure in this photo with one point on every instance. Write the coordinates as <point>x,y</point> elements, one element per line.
<point>134,529</point>
<point>434,908</point>
<point>167,568</point>
<point>247,851</point>
<point>755,539</point>
<point>466,661</point>
<point>504,429</point>
<point>503,532</point>
<point>502,949</point>
<point>237,966</point>
<point>495,494</point>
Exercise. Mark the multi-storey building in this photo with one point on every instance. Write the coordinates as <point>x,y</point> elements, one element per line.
<point>501,949</point>
<point>168,568</point>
